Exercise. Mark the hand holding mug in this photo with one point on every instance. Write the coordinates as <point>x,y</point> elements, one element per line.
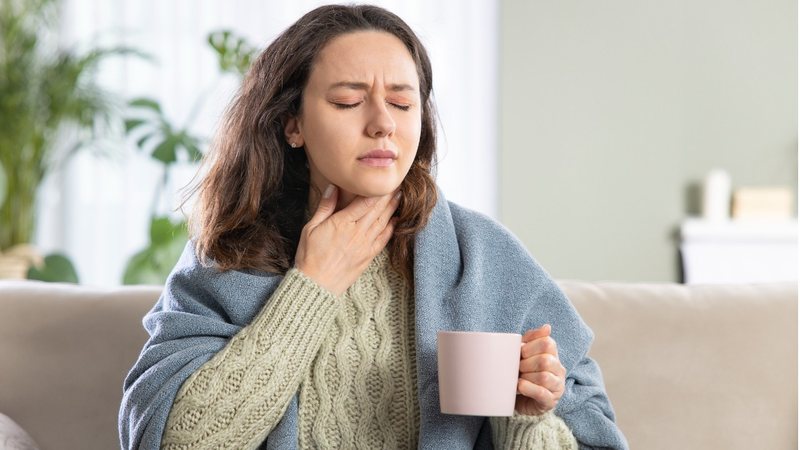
<point>542,376</point>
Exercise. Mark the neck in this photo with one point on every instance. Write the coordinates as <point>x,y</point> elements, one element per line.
<point>345,198</point>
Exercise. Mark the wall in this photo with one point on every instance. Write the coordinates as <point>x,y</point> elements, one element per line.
<point>612,112</point>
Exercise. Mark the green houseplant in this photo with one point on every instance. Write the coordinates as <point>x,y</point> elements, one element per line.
<point>167,143</point>
<point>42,91</point>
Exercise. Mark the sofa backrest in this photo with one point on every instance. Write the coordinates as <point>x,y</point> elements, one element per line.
<point>696,367</point>
<point>64,353</point>
<point>690,367</point>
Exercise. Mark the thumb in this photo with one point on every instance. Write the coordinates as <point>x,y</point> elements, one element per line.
<point>537,333</point>
<point>326,206</point>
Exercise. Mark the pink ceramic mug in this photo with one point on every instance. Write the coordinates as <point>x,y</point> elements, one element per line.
<point>478,372</point>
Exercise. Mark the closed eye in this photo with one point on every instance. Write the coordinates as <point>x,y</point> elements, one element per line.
<point>353,105</point>
<point>346,105</point>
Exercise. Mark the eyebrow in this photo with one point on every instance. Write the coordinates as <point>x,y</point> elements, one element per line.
<point>360,86</point>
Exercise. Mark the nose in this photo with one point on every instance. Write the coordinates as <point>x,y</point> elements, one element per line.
<point>381,123</point>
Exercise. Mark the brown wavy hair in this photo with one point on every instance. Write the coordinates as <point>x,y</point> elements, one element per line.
<point>252,201</point>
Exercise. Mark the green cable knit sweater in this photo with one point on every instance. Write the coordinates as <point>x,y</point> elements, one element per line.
<point>352,359</point>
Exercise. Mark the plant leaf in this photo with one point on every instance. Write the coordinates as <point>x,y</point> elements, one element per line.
<point>140,269</point>
<point>165,256</point>
<point>194,151</point>
<point>153,264</point>
<point>140,143</point>
<point>160,231</point>
<point>130,124</point>
<point>3,184</point>
<point>57,268</point>
<point>165,151</point>
<point>217,40</point>
<point>234,53</point>
<point>143,102</point>
<point>191,145</point>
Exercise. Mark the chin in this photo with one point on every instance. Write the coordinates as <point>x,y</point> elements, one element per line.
<point>374,190</point>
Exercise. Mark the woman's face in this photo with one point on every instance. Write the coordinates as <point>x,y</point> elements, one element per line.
<point>362,96</point>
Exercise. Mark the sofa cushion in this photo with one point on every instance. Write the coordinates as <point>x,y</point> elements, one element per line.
<point>696,367</point>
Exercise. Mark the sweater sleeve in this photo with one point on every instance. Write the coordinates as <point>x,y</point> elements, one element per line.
<point>242,392</point>
<point>543,432</point>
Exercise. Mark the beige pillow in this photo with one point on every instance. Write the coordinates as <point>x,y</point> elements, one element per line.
<point>13,437</point>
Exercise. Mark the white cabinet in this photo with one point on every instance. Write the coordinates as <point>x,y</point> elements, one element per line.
<point>738,251</point>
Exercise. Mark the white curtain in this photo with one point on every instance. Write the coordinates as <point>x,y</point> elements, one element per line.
<point>97,209</point>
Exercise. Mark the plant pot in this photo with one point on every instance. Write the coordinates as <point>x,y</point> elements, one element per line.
<point>17,260</point>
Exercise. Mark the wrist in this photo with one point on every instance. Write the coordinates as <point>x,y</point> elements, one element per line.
<point>327,285</point>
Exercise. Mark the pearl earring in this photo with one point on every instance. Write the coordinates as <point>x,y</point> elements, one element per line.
<point>293,145</point>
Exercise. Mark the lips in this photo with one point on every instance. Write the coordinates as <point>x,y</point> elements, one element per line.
<point>378,158</point>
<point>380,154</point>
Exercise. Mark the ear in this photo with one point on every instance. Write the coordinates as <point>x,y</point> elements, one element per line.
<point>292,132</point>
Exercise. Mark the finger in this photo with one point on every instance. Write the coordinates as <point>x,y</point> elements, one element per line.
<point>380,222</point>
<point>539,394</point>
<point>370,221</point>
<point>537,333</point>
<point>539,346</point>
<point>544,362</point>
<point>547,380</point>
<point>326,206</point>
<point>360,207</point>
<point>391,206</point>
<point>384,237</point>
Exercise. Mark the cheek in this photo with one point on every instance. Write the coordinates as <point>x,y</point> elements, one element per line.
<point>326,137</point>
<point>409,126</point>
<point>411,136</point>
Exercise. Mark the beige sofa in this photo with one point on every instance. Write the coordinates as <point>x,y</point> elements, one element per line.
<point>704,367</point>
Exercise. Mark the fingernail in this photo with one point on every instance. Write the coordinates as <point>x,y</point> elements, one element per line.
<point>328,191</point>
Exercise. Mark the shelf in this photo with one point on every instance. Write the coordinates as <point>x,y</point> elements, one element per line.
<point>738,251</point>
<point>696,229</point>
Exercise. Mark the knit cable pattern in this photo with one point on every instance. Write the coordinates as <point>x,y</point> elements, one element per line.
<point>543,432</point>
<point>235,399</point>
<point>361,391</point>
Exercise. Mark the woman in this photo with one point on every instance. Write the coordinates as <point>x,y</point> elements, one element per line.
<point>324,259</point>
